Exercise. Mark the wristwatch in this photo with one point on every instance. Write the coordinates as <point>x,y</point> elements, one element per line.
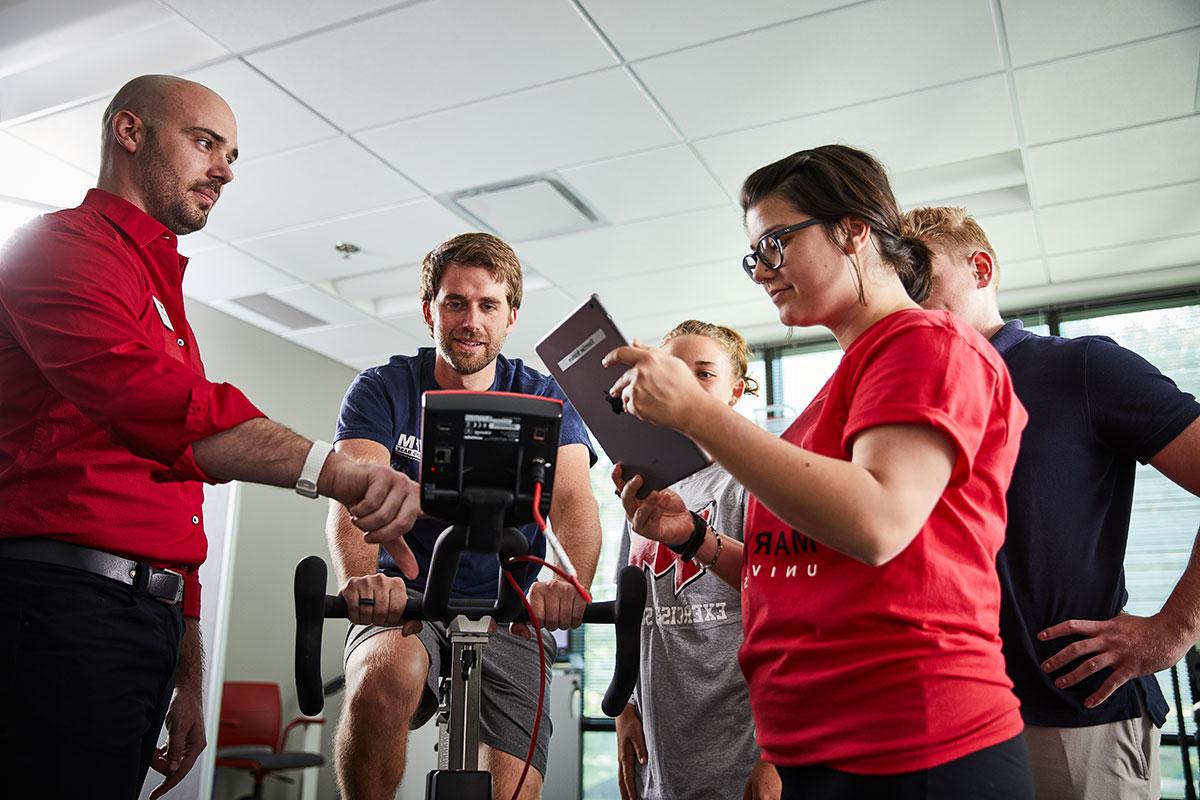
<point>306,484</point>
<point>687,549</point>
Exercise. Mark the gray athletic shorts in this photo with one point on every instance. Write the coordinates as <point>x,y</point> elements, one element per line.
<point>508,694</point>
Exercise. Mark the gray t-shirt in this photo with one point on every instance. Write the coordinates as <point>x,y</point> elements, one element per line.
<point>692,698</point>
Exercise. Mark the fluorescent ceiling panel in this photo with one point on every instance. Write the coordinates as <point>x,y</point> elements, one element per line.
<point>973,176</point>
<point>526,211</point>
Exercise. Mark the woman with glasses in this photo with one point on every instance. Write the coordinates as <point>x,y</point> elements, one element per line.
<point>869,593</point>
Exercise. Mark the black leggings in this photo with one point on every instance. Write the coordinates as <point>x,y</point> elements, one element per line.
<point>999,772</point>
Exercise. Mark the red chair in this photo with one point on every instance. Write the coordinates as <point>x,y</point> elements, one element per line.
<point>250,737</point>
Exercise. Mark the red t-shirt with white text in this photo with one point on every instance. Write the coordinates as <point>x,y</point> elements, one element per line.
<point>894,668</point>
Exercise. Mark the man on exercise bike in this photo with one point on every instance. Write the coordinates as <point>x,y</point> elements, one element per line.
<point>470,291</point>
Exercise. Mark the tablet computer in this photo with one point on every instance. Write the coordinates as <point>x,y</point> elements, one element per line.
<point>573,352</point>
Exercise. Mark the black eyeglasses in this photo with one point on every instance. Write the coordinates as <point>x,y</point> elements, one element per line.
<point>769,249</point>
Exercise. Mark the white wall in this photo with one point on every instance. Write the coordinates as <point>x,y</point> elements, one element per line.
<point>275,527</point>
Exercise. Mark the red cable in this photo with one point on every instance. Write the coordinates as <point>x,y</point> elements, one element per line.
<point>541,668</point>
<point>571,579</point>
<point>537,507</point>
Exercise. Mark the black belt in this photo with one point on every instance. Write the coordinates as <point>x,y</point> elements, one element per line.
<point>161,584</point>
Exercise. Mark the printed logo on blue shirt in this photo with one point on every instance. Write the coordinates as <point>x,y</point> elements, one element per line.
<point>409,446</point>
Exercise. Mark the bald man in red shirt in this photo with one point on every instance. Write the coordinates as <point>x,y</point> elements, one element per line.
<point>108,428</point>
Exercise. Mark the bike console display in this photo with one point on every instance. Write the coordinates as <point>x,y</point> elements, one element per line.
<point>476,443</point>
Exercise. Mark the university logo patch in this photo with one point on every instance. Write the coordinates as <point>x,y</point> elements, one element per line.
<point>658,559</point>
<point>409,446</point>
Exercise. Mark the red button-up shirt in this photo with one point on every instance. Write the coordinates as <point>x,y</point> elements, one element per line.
<point>102,391</point>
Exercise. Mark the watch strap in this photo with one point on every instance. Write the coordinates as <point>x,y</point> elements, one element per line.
<point>306,484</point>
<point>687,549</point>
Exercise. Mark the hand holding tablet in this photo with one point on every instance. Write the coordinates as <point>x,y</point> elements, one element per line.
<point>574,354</point>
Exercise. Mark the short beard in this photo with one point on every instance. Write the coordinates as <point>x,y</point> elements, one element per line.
<point>471,364</point>
<point>161,186</point>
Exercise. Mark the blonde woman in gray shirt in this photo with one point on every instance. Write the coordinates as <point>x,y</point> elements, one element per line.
<point>688,733</point>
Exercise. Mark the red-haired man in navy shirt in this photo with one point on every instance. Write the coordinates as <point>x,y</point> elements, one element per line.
<point>108,427</point>
<point>1082,668</point>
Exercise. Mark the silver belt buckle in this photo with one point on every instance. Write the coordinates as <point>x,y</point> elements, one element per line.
<point>172,601</point>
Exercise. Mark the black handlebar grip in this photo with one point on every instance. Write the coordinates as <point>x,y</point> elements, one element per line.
<point>311,602</point>
<point>627,618</point>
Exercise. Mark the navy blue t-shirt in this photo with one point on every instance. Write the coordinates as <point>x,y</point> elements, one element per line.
<point>384,405</point>
<point>1094,408</point>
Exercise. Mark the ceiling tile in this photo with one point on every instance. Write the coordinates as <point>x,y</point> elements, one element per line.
<point>329,179</point>
<point>247,315</point>
<point>1129,85</point>
<point>223,273</point>
<point>906,142</point>
<point>973,176</point>
<point>386,238</point>
<point>72,135</point>
<point>1110,221</point>
<point>162,44</point>
<point>423,58</point>
<point>638,28</point>
<point>1013,236</point>
<point>672,291</point>
<point>1022,274</point>
<point>575,121</point>
<point>1122,161</point>
<point>384,283</point>
<point>653,184</point>
<point>27,173</point>
<point>346,342</point>
<point>312,300</point>
<point>1040,31</point>
<point>243,26</point>
<point>698,237</point>
<point>1182,251</point>
<point>269,119</point>
<point>849,56</point>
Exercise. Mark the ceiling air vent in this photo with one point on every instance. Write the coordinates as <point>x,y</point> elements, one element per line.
<point>275,309</point>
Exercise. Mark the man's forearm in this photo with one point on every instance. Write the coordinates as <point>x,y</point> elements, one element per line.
<point>257,451</point>
<point>1182,608</point>
<point>578,528</point>
<point>190,673</point>
<point>352,557</point>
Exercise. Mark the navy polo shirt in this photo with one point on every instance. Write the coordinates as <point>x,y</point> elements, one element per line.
<point>384,405</point>
<point>1095,409</point>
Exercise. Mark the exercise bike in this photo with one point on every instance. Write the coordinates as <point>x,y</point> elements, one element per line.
<point>488,468</point>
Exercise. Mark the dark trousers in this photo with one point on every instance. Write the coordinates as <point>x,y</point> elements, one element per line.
<point>999,772</point>
<point>86,674</point>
